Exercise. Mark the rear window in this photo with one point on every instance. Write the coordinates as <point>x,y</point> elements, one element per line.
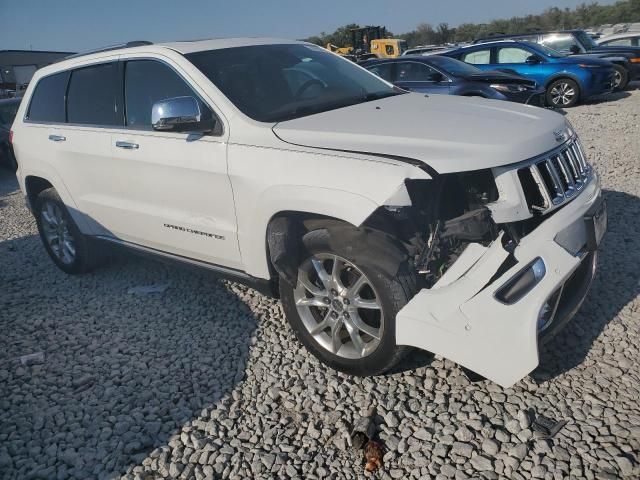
<point>93,96</point>
<point>47,101</point>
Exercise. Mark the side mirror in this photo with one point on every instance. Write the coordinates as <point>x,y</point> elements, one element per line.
<point>437,77</point>
<point>532,60</point>
<point>178,114</point>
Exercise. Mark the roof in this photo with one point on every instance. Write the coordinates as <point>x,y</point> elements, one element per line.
<point>618,35</point>
<point>35,51</point>
<point>218,43</point>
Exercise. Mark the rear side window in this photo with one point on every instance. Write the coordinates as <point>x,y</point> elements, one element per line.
<point>47,101</point>
<point>480,57</point>
<point>513,55</point>
<point>625,42</point>
<point>93,96</point>
<point>146,82</point>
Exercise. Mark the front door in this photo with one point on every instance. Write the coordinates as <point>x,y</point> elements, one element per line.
<point>169,191</point>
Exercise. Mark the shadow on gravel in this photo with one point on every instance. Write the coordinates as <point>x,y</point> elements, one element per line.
<point>121,372</point>
<point>610,97</point>
<point>617,283</point>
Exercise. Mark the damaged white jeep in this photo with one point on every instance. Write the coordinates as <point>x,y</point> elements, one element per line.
<point>381,218</point>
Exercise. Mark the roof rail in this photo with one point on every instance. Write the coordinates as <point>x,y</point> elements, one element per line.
<point>135,43</point>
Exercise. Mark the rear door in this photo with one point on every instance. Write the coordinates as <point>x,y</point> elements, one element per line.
<point>167,190</point>
<point>420,77</point>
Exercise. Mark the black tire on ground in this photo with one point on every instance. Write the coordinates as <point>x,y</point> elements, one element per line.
<point>386,266</point>
<point>563,101</point>
<point>622,78</point>
<point>87,254</point>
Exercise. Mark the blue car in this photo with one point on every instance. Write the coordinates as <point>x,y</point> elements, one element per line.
<point>444,75</point>
<point>567,79</point>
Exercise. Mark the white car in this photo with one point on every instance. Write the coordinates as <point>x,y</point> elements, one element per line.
<point>381,218</point>
<point>626,39</point>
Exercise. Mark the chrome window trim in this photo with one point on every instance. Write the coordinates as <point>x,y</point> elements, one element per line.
<point>70,69</point>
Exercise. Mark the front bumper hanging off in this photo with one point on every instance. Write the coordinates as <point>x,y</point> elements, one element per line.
<point>462,317</point>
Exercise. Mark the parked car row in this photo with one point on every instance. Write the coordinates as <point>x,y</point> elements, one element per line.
<point>439,74</point>
<point>567,67</point>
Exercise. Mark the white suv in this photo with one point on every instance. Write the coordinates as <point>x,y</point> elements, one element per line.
<point>381,218</point>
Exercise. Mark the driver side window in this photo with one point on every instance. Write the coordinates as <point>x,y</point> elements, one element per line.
<point>479,57</point>
<point>149,81</point>
<point>415,72</point>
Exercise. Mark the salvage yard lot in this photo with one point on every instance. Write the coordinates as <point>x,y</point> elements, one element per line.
<point>204,379</point>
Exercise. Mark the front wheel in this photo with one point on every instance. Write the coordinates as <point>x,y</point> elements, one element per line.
<point>621,78</point>
<point>344,303</point>
<point>563,93</point>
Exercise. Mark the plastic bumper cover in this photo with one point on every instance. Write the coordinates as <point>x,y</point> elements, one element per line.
<point>462,320</point>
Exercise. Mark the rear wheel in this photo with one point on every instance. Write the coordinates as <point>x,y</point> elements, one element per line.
<point>69,249</point>
<point>343,306</point>
<point>563,93</point>
<point>621,78</point>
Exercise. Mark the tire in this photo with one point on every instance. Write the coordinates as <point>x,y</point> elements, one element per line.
<point>621,78</point>
<point>84,256</point>
<point>563,93</point>
<point>390,284</point>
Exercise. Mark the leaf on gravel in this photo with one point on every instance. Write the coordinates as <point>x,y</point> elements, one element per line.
<point>32,358</point>
<point>147,289</point>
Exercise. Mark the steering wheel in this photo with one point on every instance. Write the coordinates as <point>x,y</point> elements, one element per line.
<point>305,86</point>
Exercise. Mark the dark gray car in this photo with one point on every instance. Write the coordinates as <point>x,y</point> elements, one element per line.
<point>8,110</point>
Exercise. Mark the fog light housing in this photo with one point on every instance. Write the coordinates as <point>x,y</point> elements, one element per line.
<point>522,282</point>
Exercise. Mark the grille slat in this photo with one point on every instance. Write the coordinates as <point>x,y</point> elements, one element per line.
<point>550,181</point>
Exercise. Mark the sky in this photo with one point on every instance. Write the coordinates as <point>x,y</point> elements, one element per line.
<point>76,25</point>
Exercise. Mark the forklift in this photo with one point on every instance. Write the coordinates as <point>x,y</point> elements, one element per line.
<point>370,42</point>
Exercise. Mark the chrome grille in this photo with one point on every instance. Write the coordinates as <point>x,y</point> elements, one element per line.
<point>555,178</point>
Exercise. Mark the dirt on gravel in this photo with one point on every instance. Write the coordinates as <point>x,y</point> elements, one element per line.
<point>204,379</point>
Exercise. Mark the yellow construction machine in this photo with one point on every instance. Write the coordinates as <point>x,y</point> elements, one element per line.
<point>370,42</point>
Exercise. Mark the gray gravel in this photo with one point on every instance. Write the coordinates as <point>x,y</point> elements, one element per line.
<point>204,379</point>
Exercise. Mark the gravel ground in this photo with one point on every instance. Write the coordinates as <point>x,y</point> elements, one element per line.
<point>205,379</point>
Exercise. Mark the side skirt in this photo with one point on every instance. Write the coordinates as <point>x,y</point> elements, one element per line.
<point>264,286</point>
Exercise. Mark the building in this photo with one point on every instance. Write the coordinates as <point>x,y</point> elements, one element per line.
<point>18,66</point>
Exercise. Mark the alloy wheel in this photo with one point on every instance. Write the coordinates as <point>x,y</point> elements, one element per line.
<point>562,94</point>
<point>617,79</point>
<point>57,234</point>
<point>339,306</point>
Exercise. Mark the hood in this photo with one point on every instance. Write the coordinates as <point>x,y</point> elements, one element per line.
<point>629,51</point>
<point>585,59</point>
<point>446,133</point>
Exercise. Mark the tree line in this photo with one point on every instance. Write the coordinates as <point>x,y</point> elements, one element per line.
<point>583,16</point>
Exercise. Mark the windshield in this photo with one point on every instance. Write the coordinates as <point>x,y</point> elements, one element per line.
<point>453,66</point>
<point>273,83</point>
<point>586,40</point>
<point>546,51</point>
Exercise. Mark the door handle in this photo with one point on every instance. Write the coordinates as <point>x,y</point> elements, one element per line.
<point>127,145</point>
<point>57,138</point>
